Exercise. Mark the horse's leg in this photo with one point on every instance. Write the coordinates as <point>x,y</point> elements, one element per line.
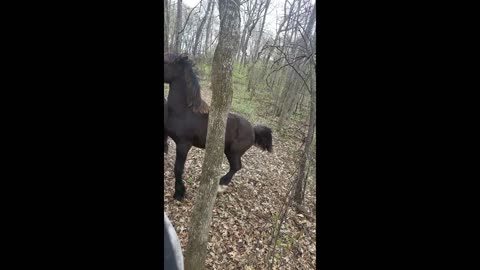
<point>165,142</point>
<point>182,152</point>
<point>234,158</point>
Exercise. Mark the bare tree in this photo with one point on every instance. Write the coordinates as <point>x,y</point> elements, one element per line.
<point>304,160</point>
<point>252,76</point>
<point>200,28</point>
<point>260,34</point>
<point>178,27</point>
<point>294,56</point>
<point>166,25</point>
<point>191,23</point>
<point>271,48</point>
<point>254,11</point>
<point>306,155</point>
<point>222,93</point>
<point>209,27</point>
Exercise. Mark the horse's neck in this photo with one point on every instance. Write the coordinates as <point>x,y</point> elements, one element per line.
<point>177,100</point>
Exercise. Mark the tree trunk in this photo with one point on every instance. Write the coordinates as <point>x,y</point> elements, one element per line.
<point>166,26</point>
<point>294,79</point>
<point>311,21</point>
<point>247,29</point>
<point>242,40</point>
<point>276,39</point>
<point>260,34</point>
<point>198,35</point>
<point>244,45</point>
<point>304,161</point>
<point>300,102</point>
<point>286,105</point>
<point>299,88</point>
<point>252,77</point>
<point>209,28</point>
<point>287,87</point>
<point>178,27</point>
<point>255,18</point>
<point>222,93</point>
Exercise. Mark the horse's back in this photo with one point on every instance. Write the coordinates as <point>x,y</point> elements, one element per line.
<point>239,130</point>
<point>193,127</point>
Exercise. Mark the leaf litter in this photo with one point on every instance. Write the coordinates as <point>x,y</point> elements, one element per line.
<point>244,215</point>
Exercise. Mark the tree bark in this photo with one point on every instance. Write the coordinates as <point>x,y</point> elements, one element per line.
<point>304,161</point>
<point>276,39</point>
<point>178,27</point>
<point>260,34</point>
<point>166,26</point>
<point>300,102</point>
<point>222,93</point>
<point>244,32</point>
<point>198,35</point>
<point>243,60</point>
<point>251,13</point>
<point>209,28</point>
<point>255,17</point>
<point>292,83</point>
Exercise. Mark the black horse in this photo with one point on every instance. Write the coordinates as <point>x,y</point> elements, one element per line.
<point>165,136</point>
<point>187,122</point>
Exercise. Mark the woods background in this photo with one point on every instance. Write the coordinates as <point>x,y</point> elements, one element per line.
<point>274,83</point>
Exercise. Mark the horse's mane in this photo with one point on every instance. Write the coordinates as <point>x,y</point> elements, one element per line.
<point>194,98</point>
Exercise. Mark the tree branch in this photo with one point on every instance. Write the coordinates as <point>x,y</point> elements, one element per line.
<point>307,41</point>
<point>296,71</point>
<point>188,17</point>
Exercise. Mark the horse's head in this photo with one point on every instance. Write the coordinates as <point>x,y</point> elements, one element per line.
<point>173,67</point>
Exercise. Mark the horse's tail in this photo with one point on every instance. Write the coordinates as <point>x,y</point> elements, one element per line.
<point>263,137</point>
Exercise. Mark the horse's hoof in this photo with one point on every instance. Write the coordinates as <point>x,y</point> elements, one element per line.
<point>221,188</point>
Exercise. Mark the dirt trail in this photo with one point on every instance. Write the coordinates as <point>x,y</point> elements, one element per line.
<point>243,215</point>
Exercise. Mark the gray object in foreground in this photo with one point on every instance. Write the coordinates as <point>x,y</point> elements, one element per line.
<point>172,251</point>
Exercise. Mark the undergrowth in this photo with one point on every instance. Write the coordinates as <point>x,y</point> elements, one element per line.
<point>254,109</point>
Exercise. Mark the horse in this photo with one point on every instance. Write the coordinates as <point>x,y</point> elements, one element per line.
<point>187,123</point>
<point>165,117</point>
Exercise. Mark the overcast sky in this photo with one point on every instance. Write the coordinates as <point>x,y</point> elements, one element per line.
<point>276,6</point>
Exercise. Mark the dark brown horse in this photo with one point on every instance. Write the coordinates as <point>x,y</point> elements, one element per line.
<point>187,122</point>
<point>165,117</point>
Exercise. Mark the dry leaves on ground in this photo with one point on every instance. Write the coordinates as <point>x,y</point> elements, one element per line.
<point>244,215</point>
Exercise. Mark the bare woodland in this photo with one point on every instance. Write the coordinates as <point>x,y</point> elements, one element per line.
<point>266,220</point>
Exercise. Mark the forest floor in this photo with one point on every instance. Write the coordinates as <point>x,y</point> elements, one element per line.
<point>244,216</point>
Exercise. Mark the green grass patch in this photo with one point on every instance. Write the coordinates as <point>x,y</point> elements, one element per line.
<point>300,115</point>
<point>166,87</point>
<point>204,70</point>
<point>242,104</point>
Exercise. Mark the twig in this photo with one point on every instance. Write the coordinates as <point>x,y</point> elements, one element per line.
<point>188,17</point>
<point>296,71</point>
<point>284,210</point>
<point>303,210</point>
<point>304,33</point>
